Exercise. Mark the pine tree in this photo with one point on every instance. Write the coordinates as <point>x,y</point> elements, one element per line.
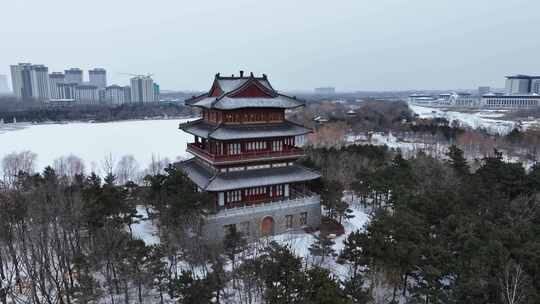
<point>331,197</point>
<point>191,290</point>
<point>282,275</point>
<point>457,160</point>
<point>156,268</point>
<point>322,288</point>
<point>233,243</point>
<point>217,280</point>
<point>352,252</point>
<point>323,247</point>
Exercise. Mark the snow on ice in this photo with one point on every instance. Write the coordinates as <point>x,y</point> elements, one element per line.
<point>92,142</point>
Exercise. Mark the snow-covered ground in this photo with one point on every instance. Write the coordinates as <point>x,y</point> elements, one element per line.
<point>490,120</point>
<point>145,229</point>
<point>92,142</point>
<point>299,242</point>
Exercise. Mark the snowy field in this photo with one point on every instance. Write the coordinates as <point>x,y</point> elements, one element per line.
<point>490,120</point>
<point>92,142</point>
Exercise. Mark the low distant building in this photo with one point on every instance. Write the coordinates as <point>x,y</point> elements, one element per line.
<point>466,100</point>
<point>513,102</point>
<point>483,90</point>
<point>87,94</point>
<point>66,91</point>
<point>325,90</point>
<point>422,99</point>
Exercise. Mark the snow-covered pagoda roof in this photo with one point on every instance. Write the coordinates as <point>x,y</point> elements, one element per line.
<point>231,132</point>
<point>207,180</point>
<point>230,93</point>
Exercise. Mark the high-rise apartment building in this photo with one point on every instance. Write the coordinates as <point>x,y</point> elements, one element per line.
<point>519,84</point>
<point>98,77</point>
<point>30,81</point>
<point>116,94</point>
<point>21,80</point>
<point>142,89</point>
<point>74,75</point>
<point>535,85</point>
<point>156,92</point>
<point>40,77</point>
<point>54,79</point>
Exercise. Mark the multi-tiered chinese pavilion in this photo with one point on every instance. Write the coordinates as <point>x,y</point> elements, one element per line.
<point>245,152</point>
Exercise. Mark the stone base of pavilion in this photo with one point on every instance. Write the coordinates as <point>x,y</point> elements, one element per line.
<point>255,221</point>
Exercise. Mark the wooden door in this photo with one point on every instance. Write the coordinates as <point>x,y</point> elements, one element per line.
<point>267,226</point>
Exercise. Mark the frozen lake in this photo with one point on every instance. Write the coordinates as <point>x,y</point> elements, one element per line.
<point>94,141</point>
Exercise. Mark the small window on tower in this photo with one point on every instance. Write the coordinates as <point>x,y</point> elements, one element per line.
<point>245,228</point>
<point>303,219</point>
<point>289,221</point>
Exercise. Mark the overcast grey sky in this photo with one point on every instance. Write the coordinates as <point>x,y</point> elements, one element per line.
<point>300,44</point>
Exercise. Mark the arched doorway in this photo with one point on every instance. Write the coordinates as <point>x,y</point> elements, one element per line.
<point>267,226</point>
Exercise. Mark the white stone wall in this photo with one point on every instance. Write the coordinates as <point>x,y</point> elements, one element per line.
<point>215,227</point>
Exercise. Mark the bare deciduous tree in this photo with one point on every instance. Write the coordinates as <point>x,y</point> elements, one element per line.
<point>127,169</point>
<point>514,283</point>
<point>14,163</point>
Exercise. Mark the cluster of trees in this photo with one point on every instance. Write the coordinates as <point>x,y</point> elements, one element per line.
<point>441,232</point>
<point>69,239</point>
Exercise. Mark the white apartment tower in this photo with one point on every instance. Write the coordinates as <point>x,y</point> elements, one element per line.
<point>98,77</point>
<point>535,85</point>
<point>142,89</point>
<point>54,89</point>
<point>30,81</point>
<point>40,77</point>
<point>74,75</point>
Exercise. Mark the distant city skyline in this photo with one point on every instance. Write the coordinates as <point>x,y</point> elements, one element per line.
<point>350,45</point>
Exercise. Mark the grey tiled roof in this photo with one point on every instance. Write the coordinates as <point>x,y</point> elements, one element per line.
<point>228,84</point>
<point>230,132</point>
<point>228,103</point>
<point>200,175</point>
<point>232,85</point>
<point>206,180</point>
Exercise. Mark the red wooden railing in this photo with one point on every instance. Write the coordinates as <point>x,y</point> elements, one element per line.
<point>192,147</point>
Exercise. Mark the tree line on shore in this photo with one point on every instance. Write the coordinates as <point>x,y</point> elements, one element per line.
<point>33,111</point>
